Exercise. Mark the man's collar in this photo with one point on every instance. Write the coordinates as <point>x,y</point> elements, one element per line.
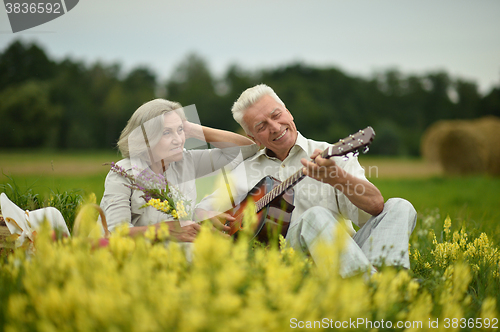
<point>301,143</point>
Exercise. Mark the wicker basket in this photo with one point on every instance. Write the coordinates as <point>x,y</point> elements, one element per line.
<point>4,234</point>
<point>79,217</point>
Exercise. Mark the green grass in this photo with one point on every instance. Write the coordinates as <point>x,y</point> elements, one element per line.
<point>44,184</point>
<point>64,179</point>
<point>469,201</point>
<point>45,171</point>
<point>472,201</point>
<point>8,158</point>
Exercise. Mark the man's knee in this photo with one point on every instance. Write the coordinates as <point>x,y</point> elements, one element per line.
<point>399,203</point>
<point>403,208</point>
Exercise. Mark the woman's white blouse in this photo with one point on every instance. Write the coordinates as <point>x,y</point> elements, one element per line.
<point>123,205</point>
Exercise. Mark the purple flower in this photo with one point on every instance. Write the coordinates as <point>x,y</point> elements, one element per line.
<point>151,184</point>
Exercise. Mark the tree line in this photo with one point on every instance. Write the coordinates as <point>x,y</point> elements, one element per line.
<point>68,104</point>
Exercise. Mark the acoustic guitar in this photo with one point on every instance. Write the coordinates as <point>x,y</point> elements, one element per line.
<point>274,199</point>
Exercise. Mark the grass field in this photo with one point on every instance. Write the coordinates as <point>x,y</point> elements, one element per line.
<point>472,199</point>
<point>47,171</point>
<point>454,276</point>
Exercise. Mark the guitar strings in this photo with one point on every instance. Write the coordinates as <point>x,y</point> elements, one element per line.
<point>297,176</point>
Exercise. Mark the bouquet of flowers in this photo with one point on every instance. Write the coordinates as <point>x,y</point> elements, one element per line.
<point>158,193</point>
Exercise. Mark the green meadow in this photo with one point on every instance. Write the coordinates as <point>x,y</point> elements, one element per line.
<point>472,200</point>
<point>455,261</point>
<point>45,171</point>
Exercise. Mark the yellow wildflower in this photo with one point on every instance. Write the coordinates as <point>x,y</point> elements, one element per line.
<point>488,310</point>
<point>150,233</point>
<point>447,225</point>
<point>162,232</point>
<point>91,198</point>
<point>181,212</point>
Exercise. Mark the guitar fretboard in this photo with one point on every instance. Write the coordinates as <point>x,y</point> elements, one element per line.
<point>354,142</point>
<point>278,190</point>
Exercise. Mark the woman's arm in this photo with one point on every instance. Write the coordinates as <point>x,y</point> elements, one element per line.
<point>219,138</point>
<point>116,204</point>
<point>116,200</point>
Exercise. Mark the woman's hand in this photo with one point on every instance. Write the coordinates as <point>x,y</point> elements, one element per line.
<point>186,233</point>
<point>193,130</point>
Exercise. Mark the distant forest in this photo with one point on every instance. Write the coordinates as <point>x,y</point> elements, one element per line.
<point>72,105</point>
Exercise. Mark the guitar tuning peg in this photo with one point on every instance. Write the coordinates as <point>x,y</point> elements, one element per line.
<point>355,153</point>
<point>345,158</point>
<point>366,149</point>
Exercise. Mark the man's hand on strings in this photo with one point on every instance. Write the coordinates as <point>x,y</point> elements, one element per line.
<point>218,220</point>
<point>324,170</point>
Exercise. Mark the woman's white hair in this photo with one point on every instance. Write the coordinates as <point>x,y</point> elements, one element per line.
<point>249,97</point>
<point>145,127</point>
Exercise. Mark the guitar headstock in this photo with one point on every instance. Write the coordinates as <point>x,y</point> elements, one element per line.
<point>353,143</point>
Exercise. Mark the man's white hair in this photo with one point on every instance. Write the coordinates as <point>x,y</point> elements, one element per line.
<point>249,97</point>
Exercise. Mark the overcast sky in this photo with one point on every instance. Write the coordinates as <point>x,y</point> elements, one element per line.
<point>358,36</point>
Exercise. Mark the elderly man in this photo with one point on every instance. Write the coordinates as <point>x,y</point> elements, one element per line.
<point>334,190</point>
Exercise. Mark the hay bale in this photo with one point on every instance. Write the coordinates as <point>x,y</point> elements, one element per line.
<point>462,150</point>
<point>429,147</point>
<point>464,147</point>
<point>490,128</point>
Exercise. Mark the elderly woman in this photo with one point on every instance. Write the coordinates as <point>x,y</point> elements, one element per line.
<point>153,142</point>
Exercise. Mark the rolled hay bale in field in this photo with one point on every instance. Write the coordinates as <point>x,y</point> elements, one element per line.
<point>463,150</point>
<point>429,146</point>
<point>464,147</point>
<point>490,127</point>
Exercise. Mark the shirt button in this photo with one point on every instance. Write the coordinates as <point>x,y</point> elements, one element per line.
<point>283,165</point>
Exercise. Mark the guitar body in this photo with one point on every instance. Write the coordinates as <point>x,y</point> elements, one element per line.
<point>273,219</point>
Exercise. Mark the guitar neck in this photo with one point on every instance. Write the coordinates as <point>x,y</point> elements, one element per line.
<point>349,144</point>
<point>279,190</point>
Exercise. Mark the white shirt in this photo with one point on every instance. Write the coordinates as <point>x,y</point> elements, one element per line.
<point>123,205</point>
<point>308,192</point>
